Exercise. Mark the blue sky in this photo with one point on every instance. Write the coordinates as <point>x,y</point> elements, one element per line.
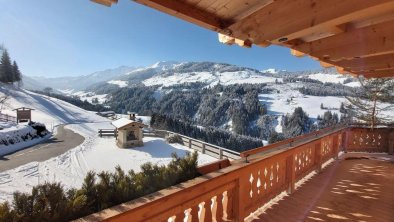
<point>76,37</point>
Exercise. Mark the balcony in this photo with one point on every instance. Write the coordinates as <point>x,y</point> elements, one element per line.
<point>332,174</point>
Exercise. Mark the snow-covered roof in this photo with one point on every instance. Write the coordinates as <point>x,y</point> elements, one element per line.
<point>122,122</point>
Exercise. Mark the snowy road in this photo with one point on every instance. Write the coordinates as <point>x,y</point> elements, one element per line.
<point>64,140</point>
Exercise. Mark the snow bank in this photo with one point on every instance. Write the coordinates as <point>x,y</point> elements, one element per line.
<point>19,137</point>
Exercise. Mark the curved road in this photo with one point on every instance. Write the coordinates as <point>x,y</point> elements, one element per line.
<point>64,140</point>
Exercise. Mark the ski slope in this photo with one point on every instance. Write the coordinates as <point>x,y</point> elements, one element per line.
<point>94,153</point>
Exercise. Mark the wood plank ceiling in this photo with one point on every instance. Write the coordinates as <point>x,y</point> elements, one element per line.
<point>356,36</point>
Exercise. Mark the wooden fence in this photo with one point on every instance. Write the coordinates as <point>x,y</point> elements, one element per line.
<point>108,132</point>
<point>232,193</point>
<point>7,118</point>
<point>201,146</point>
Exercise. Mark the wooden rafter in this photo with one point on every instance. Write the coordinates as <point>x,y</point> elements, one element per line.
<point>187,12</point>
<point>378,73</point>
<point>107,3</point>
<point>368,41</point>
<point>368,63</point>
<point>292,19</point>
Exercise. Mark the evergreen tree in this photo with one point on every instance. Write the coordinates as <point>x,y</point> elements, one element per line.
<point>297,123</point>
<point>17,76</point>
<point>376,96</point>
<point>6,70</point>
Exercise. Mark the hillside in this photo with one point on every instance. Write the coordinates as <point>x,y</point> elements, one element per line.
<point>94,153</point>
<point>226,96</point>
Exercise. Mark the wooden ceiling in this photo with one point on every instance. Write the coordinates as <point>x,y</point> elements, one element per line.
<point>356,36</point>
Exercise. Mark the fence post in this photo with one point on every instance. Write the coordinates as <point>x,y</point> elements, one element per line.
<point>190,143</point>
<point>391,142</point>
<point>203,148</point>
<point>100,132</point>
<point>220,153</point>
<point>290,174</point>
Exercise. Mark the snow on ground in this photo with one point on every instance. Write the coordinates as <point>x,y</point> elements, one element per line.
<point>15,133</point>
<point>225,78</point>
<point>332,78</point>
<point>120,83</point>
<point>288,99</point>
<point>353,84</point>
<point>94,153</point>
<point>89,96</point>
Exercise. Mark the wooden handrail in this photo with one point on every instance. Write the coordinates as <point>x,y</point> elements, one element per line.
<point>241,188</point>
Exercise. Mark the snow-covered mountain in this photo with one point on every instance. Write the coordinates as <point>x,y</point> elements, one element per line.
<point>75,82</point>
<point>169,73</point>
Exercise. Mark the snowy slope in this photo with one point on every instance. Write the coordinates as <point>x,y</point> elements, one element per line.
<point>210,78</point>
<point>288,98</point>
<point>94,153</point>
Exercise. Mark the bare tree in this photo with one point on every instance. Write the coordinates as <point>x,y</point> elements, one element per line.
<point>376,96</point>
<point>4,101</point>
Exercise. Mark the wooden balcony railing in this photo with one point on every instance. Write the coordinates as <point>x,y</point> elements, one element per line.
<point>232,193</point>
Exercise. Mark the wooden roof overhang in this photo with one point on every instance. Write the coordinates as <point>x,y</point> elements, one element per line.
<point>356,36</point>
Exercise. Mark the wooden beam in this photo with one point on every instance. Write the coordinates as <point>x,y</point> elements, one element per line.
<point>296,53</point>
<point>225,39</point>
<point>249,10</point>
<point>185,11</point>
<point>368,63</point>
<point>243,43</point>
<point>368,41</point>
<point>326,65</point>
<point>378,73</point>
<point>107,3</point>
<point>292,19</point>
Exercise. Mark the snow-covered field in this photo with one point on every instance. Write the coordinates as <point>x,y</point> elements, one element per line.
<point>94,153</point>
<point>225,78</point>
<point>89,96</point>
<point>288,98</point>
<point>333,78</point>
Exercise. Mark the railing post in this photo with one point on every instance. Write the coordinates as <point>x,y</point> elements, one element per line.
<point>346,136</point>
<point>290,174</point>
<point>391,142</point>
<point>335,146</point>
<point>190,143</point>
<point>220,153</point>
<point>240,194</point>
<point>203,148</point>
<point>318,156</point>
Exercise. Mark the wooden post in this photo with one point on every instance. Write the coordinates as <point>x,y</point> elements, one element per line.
<point>335,146</point>
<point>391,142</point>
<point>290,174</point>
<point>190,143</point>
<point>100,133</point>
<point>220,153</point>
<point>203,148</point>
<point>240,193</point>
<point>318,156</point>
<point>346,136</point>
